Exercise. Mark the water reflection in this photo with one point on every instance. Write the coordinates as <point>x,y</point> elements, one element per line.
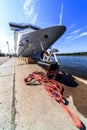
<point>76,65</point>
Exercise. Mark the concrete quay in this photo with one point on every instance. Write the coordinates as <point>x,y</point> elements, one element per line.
<point>30,107</point>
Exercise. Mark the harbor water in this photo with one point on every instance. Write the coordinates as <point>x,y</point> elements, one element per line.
<point>76,65</point>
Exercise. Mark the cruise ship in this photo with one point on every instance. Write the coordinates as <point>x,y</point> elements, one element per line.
<point>30,39</point>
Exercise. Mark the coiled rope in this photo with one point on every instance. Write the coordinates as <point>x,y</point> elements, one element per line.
<point>54,89</point>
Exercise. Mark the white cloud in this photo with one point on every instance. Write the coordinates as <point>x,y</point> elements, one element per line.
<point>29,11</point>
<point>3,42</point>
<point>83,34</point>
<point>77,33</point>
<point>71,26</point>
<point>80,35</point>
<point>69,37</point>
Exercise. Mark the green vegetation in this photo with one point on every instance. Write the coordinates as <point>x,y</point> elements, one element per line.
<point>74,54</point>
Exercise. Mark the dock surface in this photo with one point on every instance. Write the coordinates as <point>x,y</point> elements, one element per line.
<point>30,107</point>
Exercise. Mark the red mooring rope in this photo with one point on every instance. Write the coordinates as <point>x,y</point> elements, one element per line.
<point>54,89</point>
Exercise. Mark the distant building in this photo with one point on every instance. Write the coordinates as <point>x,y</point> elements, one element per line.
<point>1,54</point>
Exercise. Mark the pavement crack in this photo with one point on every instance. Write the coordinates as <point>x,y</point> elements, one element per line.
<point>13,109</point>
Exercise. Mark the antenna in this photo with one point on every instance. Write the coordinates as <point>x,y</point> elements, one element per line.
<point>61,14</point>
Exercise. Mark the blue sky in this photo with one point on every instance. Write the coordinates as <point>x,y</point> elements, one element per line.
<point>46,13</point>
